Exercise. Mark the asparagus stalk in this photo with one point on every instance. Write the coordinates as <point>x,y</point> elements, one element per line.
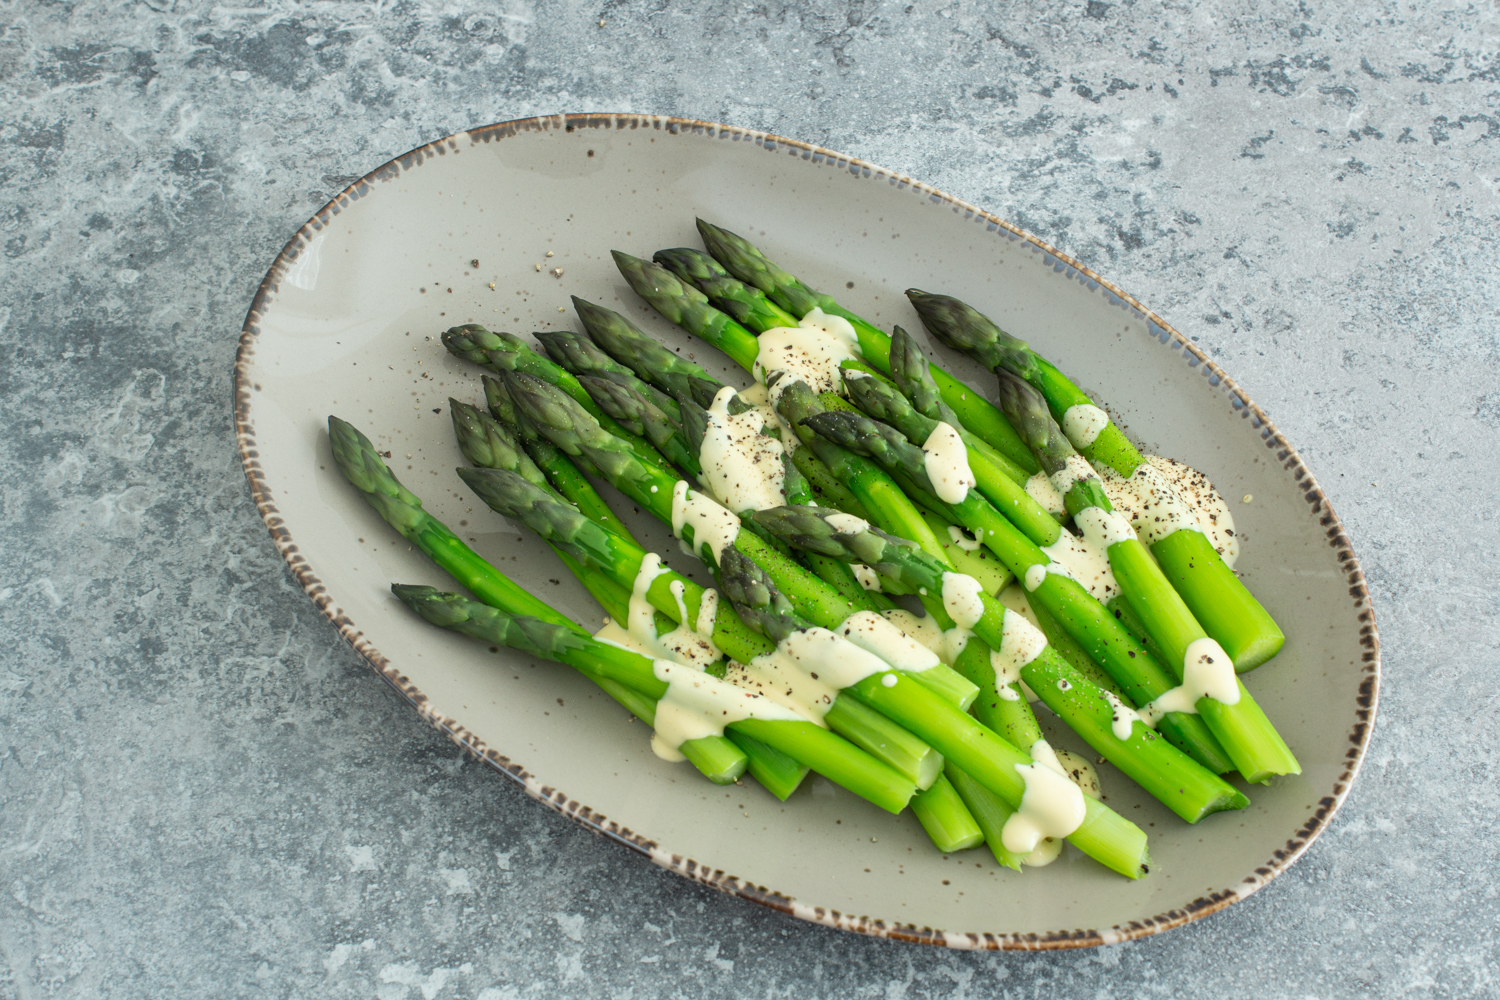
<point>809,744</point>
<point>559,468</point>
<point>1163,770</point>
<point>487,444</point>
<point>748,264</point>
<point>747,304</point>
<point>883,402</point>
<point>990,812</point>
<point>684,305</point>
<point>718,758</point>
<point>509,494</point>
<point>1241,727</point>
<point>503,352</point>
<point>1142,677</point>
<point>402,509</point>
<point>688,308</point>
<point>623,341</point>
<point>945,816</point>
<point>991,761</point>
<point>776,772</point>
<point>1224,606</point>
<point>634,410</point>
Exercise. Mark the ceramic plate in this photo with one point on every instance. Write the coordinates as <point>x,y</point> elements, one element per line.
<point>500,226</point>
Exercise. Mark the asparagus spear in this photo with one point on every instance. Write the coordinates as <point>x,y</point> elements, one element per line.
<point>747,304</point>
<point>1095,714</point>
<point>509,494</point>
<point>1240,725</point>
<point>503,352</point>
<point>776,772</point>
<point>624,342</point>
<point>634,410</point>
<point>487,444</point>
<point>687,307</point>
<point>804,741</point>
<point>1103,835</point>
<point>716,757</point>
<point>748,264</point>
<point>402,509</point>
<point>1142,677</point>
<point>883,402</point>
<point>1226,609</point>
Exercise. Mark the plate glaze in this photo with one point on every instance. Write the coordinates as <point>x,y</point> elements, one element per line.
<point>347,322</point>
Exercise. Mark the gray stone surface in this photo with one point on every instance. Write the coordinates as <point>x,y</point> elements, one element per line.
<point>206,794</point>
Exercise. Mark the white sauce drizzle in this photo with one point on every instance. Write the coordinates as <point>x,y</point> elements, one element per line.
<point>1076,470</point>
<point>742,467</point>
<point>712,524</point>
<point>1083,423</point>
<point>955,641</point>
<point>1086,562</point>
<point>1103,528</point>
<point>867,577</point>
<point>847,524</point>
<point>962,538</point>
<point>1036,574</point>
<point>1020,643</point>
<point>1081,773</point>
<point>807,670</point>
<point>947,464</point>
<point>698,705</point>
<point>1122,717</point>
<point>756,395</point>
<point>1207,672</point>
<point>1051,805</point>
<point>876,634</point>
<point>1040,489</point>
<point>922,629</point>
<point>685,644</point>
<point>808,352</point>
<point>963,599</point>
<point>1164,495</point>
<point>1014,599</point>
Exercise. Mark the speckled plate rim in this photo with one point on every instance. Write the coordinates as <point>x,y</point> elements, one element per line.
<point>818,158</point>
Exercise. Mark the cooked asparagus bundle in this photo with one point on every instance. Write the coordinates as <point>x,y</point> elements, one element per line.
<point>1226,609</point>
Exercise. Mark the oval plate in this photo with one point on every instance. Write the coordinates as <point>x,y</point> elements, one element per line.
<point>500,226</point>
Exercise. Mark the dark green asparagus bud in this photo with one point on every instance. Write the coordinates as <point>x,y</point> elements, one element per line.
<point>627,344</point>
<point>495,351</point>
<point>1028,414</point>
<point>578,355</point>
<point>760,605</point>
<point>964,328</point>
<point>850,540</point>
<point>361,465</point>
<point>873,439</point>
<point>562,421</point>
<point>743,260</point>
<point>616,400</point>
<point>557,521</point>
<point>503,410</point>
<point>486,443</point>
<point>639,414</point>
<point>480,621</point>
<point>694,423</point>
<point>582,356</point>
<point>747,304</point>
<point>881,400</point>
<point>912,373</point>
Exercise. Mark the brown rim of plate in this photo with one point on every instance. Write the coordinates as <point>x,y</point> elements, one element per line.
<point>1297,841</point>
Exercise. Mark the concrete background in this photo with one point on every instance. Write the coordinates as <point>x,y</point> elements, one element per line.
<point>206,794</point>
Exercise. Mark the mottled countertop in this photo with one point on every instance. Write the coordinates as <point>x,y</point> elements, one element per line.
<point>205,793</point>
